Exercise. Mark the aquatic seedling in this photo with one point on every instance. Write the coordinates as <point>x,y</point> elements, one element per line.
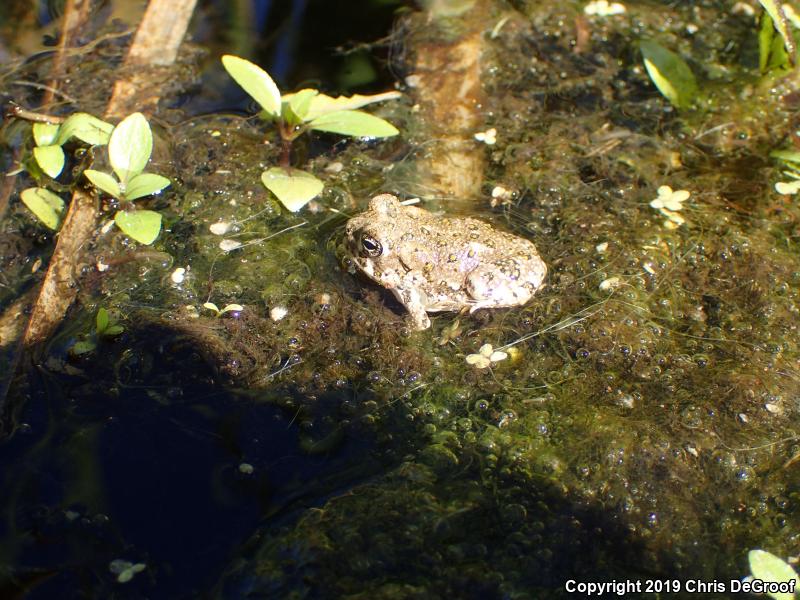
<point>104,328</point>
<point>776,48</point>
<point>50,137</point>
<point>219,312</point>
<point>48,153</point>
<point>125,570</point>
<point>129,150</point>
<point>298,113</point>
<point>791,164</point>
<point>670,74</point>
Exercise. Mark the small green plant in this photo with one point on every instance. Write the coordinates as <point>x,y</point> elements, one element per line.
<point>125,570</point>
<point>48,153</point>
<point>219,312</point>
<point>790,165</point>
<point>50,138</point>
<point>776,49</point>
<point>104,328</point>
<point>300,112</point>
<point>129,148</point>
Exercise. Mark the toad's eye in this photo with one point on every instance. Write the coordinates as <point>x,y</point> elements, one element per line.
<point>370,246</point>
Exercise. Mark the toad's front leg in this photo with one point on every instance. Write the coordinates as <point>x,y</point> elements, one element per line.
<point>415,301</point>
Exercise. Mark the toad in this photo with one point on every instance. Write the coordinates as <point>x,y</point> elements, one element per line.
<point>433,263</point>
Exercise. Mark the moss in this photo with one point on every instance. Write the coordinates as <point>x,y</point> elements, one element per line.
<point>655,404</point>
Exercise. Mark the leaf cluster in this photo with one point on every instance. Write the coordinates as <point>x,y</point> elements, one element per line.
<point>104,328</point>
<point>221,311</point>
<point>48,153</point>
<point>129,150</point>
<point>130,145</point>
<point>302,111</point>
<point>50,138</point>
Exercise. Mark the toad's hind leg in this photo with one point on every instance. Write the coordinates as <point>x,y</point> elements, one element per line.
<point>498,284</point>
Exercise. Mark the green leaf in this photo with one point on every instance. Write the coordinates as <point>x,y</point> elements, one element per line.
<point>212,306</point>
<point>145,184</point>
<point>113,330</point>
<point>294,188</point>
<point>87,128</point>
<point>355,123</point>
<point>778,59</point>
<point>101,321</point>
<point>766,34</point>
<point>772,54</point>
<point>670,74</point>
<point>231,307</point>
<point>255,81</point>
<point>322,104</point>
<point>299,104</point>
<point>769,568</point>
<point>50,158</point>
<point>787,155</point>
<point>43,203</point>
<point>141,225</point>
<point>104,181</point>
<point>83,347</point>
<point>45,134</point>
<point>130,146</point>
<point>780,23</point>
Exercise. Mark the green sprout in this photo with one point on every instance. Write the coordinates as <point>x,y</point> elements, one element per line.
<point>104,328</point>
<point>129,149</point>
<point>49,156</point>
<point>50,138</point>
<point>229,308</point>
<point>300,112</point>
<point>776,53</point>
<point>790,160</point>
<point>125,570</point>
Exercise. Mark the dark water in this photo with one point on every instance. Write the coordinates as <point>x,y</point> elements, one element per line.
<point>140,453</point>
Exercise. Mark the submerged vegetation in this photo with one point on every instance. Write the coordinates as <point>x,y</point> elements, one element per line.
<point>637,419</point>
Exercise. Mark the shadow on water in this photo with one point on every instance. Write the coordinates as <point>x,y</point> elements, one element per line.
<point>138,453</point>
<point>153,463</point>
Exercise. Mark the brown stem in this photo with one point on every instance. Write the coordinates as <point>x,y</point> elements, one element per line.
<point>286,144</point>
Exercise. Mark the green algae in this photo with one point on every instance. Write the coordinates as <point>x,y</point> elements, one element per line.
<point>661,416</point>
